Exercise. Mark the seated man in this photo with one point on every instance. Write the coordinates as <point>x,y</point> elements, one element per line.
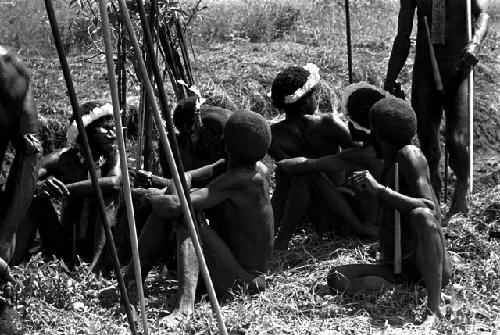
<point>424,255</point>
<point>64,174</point>
<point>238,242</point>
<point>357,101</point>
<point>310,135</point>
<point>19,127</point>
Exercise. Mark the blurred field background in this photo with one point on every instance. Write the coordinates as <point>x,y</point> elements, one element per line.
<point>239,46</point>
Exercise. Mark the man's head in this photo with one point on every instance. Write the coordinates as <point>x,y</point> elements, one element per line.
<point>248,136</point>
<point>293,89</point>
<point>206,139</point>
<point>99,125</point>
<point>357,101</point>
<point>393,122</point>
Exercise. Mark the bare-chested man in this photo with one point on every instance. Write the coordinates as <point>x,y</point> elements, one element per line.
<point>239,240</point>
<point>424,255</point>
<point>18,126</point>
<point>357,101</point>
<point>64,174</point>
<point>455,57</point>
<point>304,133</point>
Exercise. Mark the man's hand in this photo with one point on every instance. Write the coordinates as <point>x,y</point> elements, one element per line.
<point>363,181</point>
<point>52,188</point>
<point>394,88</point>
<point>468,57</point>
<point>289,166</point>
<point>143,179</point>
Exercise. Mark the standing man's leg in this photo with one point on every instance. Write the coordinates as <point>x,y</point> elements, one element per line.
<point>457,139</point>
<point>429,109</point>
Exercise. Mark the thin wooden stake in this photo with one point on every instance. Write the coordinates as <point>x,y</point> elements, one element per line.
<point>349,44</point>
<point>88,158</point>
<point>470,99</point>
<point>397,227</point>
<point>108,47</point>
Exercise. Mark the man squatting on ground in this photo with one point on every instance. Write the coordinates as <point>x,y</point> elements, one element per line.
<point>18,126</point>
<point>357,101</point>
<point>455,59</point>
<point>238,243</point>
<point>424,256</point>
<point>304,133</point>
<point>64,173</point>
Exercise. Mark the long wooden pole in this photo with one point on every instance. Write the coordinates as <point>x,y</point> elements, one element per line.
<point>88,157</point>
<point>349,44</point>
<point>397,227</point>
<point>188,215</point>
<point>108,47</point>
<point>470,100</point>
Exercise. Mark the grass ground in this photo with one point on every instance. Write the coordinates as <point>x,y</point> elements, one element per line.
<point>230,62</point>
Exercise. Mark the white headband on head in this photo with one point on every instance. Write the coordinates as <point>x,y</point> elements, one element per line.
<point>95,114</point>
<point>348,91</point>
<point>312,81</point>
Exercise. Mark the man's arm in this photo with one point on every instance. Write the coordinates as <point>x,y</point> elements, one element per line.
<point>352,159</point>
<point>401,46</point>
<point>414,170</point>
<point>479,32</point>
<point>22,180</point>
<point>109,183</point>
<point>220,189</point>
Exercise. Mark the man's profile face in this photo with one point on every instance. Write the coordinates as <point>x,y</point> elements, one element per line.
<point>103,134</point>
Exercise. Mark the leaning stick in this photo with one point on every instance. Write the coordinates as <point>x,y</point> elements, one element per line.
<point>88,157</point>
<point>470,104</point>
<point>397,226</point>
<point>188,216</point>
<point>348,35</point>
<point>108,47</point>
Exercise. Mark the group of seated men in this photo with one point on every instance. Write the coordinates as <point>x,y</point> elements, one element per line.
<point>341,177</point>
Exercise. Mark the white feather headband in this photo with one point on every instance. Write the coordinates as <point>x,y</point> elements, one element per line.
<point>312,81</point>
<point>95,114</point>
<point>348,91</point>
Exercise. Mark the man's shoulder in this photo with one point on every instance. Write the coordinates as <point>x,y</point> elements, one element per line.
<point>411,156</point>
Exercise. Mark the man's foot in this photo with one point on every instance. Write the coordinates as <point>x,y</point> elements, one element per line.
<point>176,317</point>
<point>461,200</point>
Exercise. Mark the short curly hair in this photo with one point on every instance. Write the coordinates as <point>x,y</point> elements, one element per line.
<point>248,136</point>
<point>359,101</point>
<point>286,83</point>
<point>393,120</point>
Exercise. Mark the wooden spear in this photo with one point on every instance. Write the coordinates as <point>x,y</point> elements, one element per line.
<point>349,45</point>
<point>108,47</point>
<point>176,174</point>
<point>470,104</point>
<point>397,227</point>
<point>88,157</point>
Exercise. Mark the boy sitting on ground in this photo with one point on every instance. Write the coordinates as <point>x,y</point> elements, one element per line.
<point>304,133</point>
<point>238,242</point>
<point>357,101</point>
<point>424,255</point>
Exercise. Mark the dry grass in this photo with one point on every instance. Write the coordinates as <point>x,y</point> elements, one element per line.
<point>54,301</point>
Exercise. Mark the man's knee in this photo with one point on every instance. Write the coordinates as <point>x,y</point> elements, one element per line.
<point>457,142</point>
<point>424,221</point>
